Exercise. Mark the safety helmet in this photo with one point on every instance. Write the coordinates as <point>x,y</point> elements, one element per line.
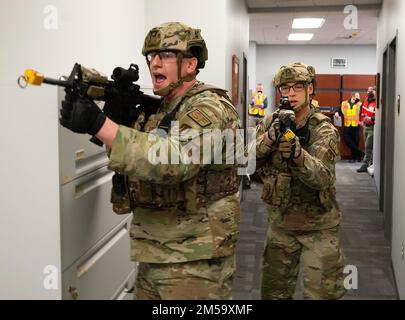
<point>178,37</point>
<point>294,72</point>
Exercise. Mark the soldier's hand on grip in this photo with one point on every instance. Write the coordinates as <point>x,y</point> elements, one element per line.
<point>81,115</point>
<point>274,131</point>
<point>290,149</point>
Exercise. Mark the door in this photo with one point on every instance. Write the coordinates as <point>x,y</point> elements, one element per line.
<point>388,135</point>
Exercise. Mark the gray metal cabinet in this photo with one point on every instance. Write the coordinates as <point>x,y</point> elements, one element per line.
<point>95,245</point>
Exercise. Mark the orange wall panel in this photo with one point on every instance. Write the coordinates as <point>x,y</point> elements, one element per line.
<point>328,81</point>
<point>358,81</point>
<point>328,99</point>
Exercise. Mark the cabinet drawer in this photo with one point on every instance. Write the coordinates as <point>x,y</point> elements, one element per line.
<point>86,214</point>
<point>102,272</point>
<point>125,291</point>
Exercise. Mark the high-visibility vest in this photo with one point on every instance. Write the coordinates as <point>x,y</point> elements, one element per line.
<point>351,115</point>
<point>258,99</point>
<point>257,109</point>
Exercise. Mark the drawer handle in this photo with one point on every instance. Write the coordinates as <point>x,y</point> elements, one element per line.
<point>86,164</point>
<point>92,184</point>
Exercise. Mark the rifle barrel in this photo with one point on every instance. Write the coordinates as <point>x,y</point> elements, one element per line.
<point>62,83</point>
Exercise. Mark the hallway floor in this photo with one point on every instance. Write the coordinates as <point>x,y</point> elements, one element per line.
<point>362,238</point>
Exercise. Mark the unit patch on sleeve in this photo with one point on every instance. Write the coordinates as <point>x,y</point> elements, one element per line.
<point>200,118</point>
<point>333,146</point>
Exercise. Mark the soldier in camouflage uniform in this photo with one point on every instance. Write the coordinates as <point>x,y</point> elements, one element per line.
<point>298,175</point>
<point>185,215</point>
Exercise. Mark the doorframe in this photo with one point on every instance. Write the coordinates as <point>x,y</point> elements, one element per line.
<point>245,94</point>
<point>383,107</point>
<point>388,133</point>
<point>244,109</point>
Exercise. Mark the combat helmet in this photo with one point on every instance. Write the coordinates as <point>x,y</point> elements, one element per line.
<point>182,39</point>
<point>178,37</point>
<point>296,72</point>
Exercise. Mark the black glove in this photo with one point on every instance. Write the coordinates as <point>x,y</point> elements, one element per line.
<point>117,113</point>
<point>121,108</point>
<point>81,115</point>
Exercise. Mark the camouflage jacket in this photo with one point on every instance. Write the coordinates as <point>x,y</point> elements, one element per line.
<point>302,197</point>
<point>184,211</point>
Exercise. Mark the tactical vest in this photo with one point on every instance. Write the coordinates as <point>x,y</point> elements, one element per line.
<point>213,182</point>
<point>285,192</point>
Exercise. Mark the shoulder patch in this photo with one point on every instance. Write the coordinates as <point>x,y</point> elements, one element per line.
<point>200,118</point>
<point>333,146</point>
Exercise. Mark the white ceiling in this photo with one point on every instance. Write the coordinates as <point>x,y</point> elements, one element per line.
<point>271,21</point>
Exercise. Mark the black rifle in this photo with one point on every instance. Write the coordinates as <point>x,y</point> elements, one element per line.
<point>124,101</point>
<point>287,125</point>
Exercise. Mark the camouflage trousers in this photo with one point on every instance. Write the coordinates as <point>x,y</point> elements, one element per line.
<point>322,264</point>
<point>368,145</point>
<point>195,280</point>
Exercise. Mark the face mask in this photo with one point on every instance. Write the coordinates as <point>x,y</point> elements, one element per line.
<point>356,100</point>
<point>371,95</point>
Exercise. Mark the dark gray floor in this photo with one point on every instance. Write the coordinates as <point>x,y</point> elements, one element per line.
<point>362,238</point>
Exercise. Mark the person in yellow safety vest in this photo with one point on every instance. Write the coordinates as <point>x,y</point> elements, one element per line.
<point>258,103</point>
<point>350,110</point>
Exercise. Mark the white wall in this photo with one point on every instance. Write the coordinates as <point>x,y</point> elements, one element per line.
<point>252,66</point>
<point>97,33</point>
<point>361,60</point>
<point>391,20</point>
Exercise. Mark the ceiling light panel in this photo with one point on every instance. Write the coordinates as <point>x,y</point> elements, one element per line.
<point>300,36</point>
<point>308,23</point>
